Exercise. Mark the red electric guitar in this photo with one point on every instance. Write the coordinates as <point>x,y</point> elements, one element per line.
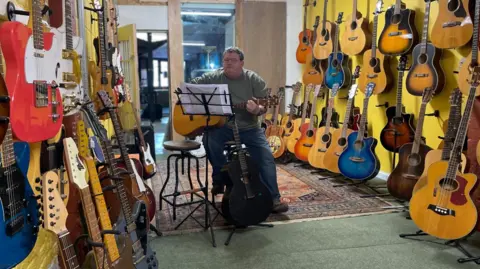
<point>36,110</point>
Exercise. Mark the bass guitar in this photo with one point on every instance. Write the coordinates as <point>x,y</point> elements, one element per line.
<point>399,34</point>
<point>307,137</point>
<point>313,73</point>
<point>471,61</point>
<point>35,101</point>
<point>453,26</point>
<point>323,137</point>
<point>426,71</point>
<point>274,132</point>
<point>436,155</point>
<point>411,160</point>
<point>304,38</point>
<point>298,123</point>
<point>323,45</point>
<point>338,70</point>
<point>358,161</point>
<point>18,206</point>
<point>339,136</point>
<point>375,68</point>
<point>356,38</point>
<point>444,208</point>
<point>399,128</point>
<point>289,126</point>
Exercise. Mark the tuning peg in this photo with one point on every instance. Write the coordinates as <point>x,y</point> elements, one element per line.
<point>38,180</point>
<point>50,198</point>
<point>50,189</point>
<point>52,215</point>
<point>38,189</point>
<point>50,181</point>
<point>52,223</point>
<point>51,206</point>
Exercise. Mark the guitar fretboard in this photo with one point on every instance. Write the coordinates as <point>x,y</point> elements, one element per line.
<point>398,107</point>
<point>68,25</point>
<point>68,252</point>
<point>454,118</point>
<point>37,6</point>
<point>476,21</point>
<point>426,19</point>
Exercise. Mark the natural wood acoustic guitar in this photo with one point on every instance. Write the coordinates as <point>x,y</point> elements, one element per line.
<point>323,45</point>
<point>307,137</point>
<point>295,134</point>
<point>289,125</point>
<point>356,38</point>
<point>313,73</point>
<point>453,26</point>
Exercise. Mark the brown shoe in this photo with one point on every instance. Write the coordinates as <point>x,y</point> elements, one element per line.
<point>279,207</point>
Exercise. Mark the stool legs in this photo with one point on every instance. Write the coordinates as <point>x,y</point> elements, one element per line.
<point>189,177</point>
<point>166,180</point>
<point>177,181</point>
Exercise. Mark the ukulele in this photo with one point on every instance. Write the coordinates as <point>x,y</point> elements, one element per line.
<point>453,27</point>
<point>426,71</point>
<point>248,201</point>
<point>323,136</point>
<point>307,137</point>
<point>339,136</point>
<point>375,69</point>
<point>411,158</point>
<point>274,132</point>
<point>18,206</point>
<point>356,38</point>
<point>298,123</point>
<point>399,128</point>
<point>35,101</point>
<point>436,155</point>
<point>444,208</point>
<point>304,38</point>
<point>313,73</point>
<point>289,126</point>
<point>465,72</point>
<point>399,34</point>
<point>323,45</point>
<point>358,161</point>
<point>338,70</point>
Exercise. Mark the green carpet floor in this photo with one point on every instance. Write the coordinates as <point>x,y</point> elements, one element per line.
<point>358,242</point>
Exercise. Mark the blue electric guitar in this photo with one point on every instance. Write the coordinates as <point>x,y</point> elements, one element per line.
<point>18,206</point>
<point>338,70</point>
<point>358,161</point>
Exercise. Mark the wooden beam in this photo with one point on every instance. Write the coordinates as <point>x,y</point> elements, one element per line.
<point>175,56</point>
<point>239,42</point>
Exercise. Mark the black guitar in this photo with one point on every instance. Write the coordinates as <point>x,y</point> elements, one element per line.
<point>248,201</point>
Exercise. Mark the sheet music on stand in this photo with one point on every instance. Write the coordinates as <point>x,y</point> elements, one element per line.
<point>205,99</point>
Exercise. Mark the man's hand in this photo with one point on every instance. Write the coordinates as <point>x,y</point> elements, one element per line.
<point>253,107</point>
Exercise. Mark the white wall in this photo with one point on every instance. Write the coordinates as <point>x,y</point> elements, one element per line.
<point>145,17</point>
<point>294,26</point>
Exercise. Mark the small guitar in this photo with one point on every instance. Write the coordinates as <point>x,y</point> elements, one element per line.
<point>399,128</point>
<point>453,26</point>
<point>323,45</point>
<point>375,64</point>
<point>338,70</point>
<point>399,34</point>
<point>339,136</point>
<point>307,137</point>
<point>444,208</point>
<point>356,38</point>
<point>304,38</point>
<point>471,61</point>
<point>313,73</point>
<point>411,160</point>
<point>426,71</point>
<point>323,136</point>
<point>298,123</point>
<point>274,132</point>
<point>358,161</point>
<point>436,155</point>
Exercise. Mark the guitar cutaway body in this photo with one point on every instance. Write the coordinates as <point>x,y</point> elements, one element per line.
<point>305,144</point>
<point>358,161</point>
<point>444,208</point>
<point>304,45</point>
<point>397,131</point>
<point>324,43</point>
<point>451,29</point>
<point>330,162</point>
<point>296,134</point>
<point>399,34</point>
<point>375,71</point>
<point>465,74</point>
<point>317,154</point>
<point>426,71</point>
<point>338,71</point>
<point>356,38</point>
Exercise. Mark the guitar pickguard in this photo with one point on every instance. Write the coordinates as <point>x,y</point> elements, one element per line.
<point>42,68</point>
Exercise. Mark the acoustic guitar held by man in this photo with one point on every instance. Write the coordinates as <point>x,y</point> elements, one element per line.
<point>244,86</point>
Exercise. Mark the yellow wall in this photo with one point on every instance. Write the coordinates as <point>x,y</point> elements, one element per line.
<point>376,115</point>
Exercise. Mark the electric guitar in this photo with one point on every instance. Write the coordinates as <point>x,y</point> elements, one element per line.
<point>338,71</point>
<point>323,45</point>
<point>375,68</point>
<point>304,38</point>
<point>426,71</point>
<point>339,136</point>
<point>298,123</point>
<point>274,132</point>
<point>399,128</point>
<point>18,206</point>
<point>411,160</point>
<point>313,73</point>
<point>471,61</point>
<point>289,126</point>
<point>444,208</point>
<point>358,161</point>
<point>307,137</point>
<point>399,34</point>
<point>323,135</point>
<point>356,38</point>
<point>35,102</point>
<point>453,26</point>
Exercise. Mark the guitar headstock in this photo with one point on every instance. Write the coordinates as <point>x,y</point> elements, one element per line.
<point>402,63</point>
<point>317,90</point>
<point>455,97</point>
<point>82,139</point>
<point>378,8</point>
<point>356,73</point>
<point>54,210</point>
<point>339,18</point>
<point>280,94</point>
<point>369,89</point>
<point>75,167</point>
<point>427,95</point>
<point>308,89</point>
<point>297,87</point>
<point>334,90</point>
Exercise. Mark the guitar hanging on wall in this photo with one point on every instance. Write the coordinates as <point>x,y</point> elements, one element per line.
<point>323,45</point>
<point>338,71</point>
<point>356,38</point>
<point>453,25</point>
<point>305,37</point>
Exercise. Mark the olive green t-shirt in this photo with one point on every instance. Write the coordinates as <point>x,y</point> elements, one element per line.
<point>241,90</point>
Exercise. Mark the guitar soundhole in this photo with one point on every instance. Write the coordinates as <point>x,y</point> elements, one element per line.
<point>325,138</point>
<point>397,120</point>
<point>324,32</point>
<point>310,133</point>
<point>342,142</point>
<point>304,39</point>
<point>335,63</point>
<point>358,145</point>
<point>353,25</point>
<point>396,18</point>
<point>414,159</point>
<point>453,5</point>
<point>289,125</point>
<point>373,62</point>
<point>448,184</point>
<point>422,58</point>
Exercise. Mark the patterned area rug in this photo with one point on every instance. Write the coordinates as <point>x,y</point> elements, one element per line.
<point>307,195</point>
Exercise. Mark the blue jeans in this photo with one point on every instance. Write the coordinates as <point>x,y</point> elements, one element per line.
<point>257,146</point>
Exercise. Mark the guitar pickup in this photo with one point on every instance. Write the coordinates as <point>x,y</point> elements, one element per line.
<point>441,211</point>
<point>68,85</point>
<point>451,24</point>
<point>15,226</point>
<point>69,77</point>
<point>353,38</point>
<point>38,55</point>
<point>421,75</point>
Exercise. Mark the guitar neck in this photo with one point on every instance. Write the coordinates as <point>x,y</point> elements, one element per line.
<point>305,105</point>
<point>398,107</point>
<point>37,6</point>
<point>312,112</point>
<point>398,7</point>
<point>241,154</point>
<point>347,116</point>
<point>102,43</point>
<point>419,130</point>
<point>426,20</point>
<point>354,12</point>
<point>454,118</point>
<point>119,134</point>
<point>475,34</point>
<point>67,251</point>
<point>374,37</point>
<point>361,131</point>
<point>305,6</point>
<point>8,155</point>
<point>329,114</point>
<point>290,115</point>
<point>335,47</point>
<point>139,127</point>
<point>68,25</point>
<point>324,21</point>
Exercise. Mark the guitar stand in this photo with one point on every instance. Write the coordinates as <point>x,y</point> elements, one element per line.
<point>230,235</point>
<point>454,243</point>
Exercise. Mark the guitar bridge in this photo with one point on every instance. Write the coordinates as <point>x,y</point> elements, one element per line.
<point>323,43</point>
<point>356,159</point>
<point>69,77</point>
<point>322,150</point>
<point>372,76</point>
<point>41,93</point>
<point>395,34</point>
<point>353,38</point>
<point>308,145</point>
<point>451,24</point>
<point>421,75</point>
<point>441,211</point>
<point>69,54</point>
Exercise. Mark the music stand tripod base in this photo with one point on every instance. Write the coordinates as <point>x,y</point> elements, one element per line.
<point>230,235</point>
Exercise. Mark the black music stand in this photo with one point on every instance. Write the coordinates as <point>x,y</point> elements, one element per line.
<point>203,103</point>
